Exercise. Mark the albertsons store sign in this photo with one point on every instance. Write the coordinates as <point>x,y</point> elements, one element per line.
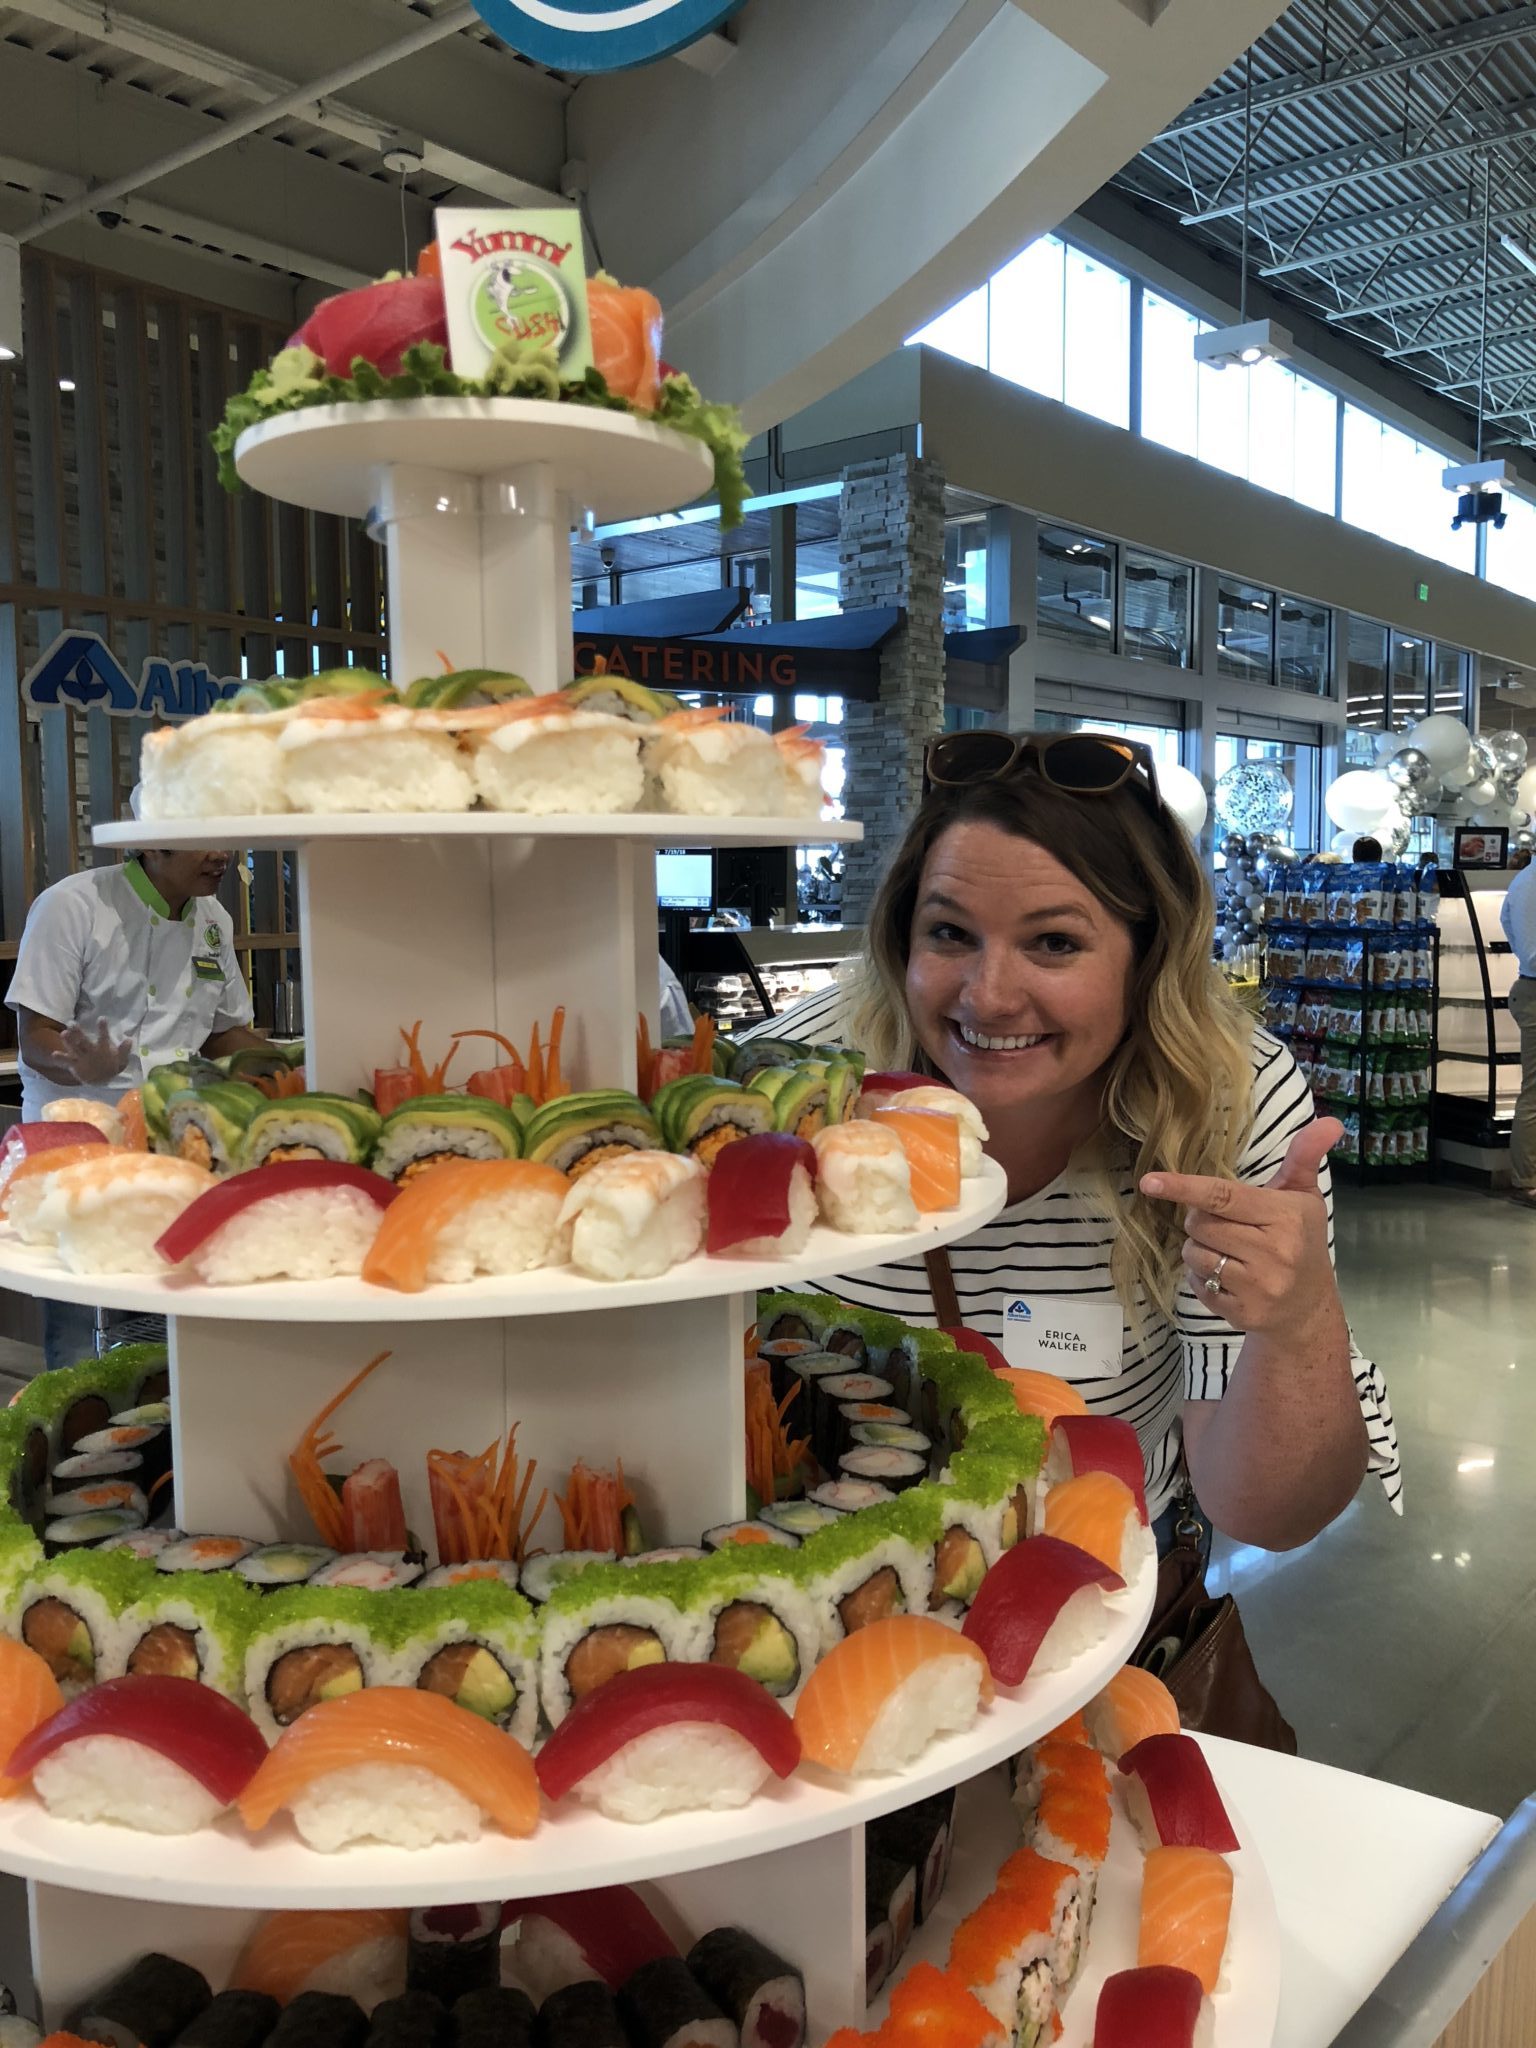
<point>602,35</point>
<point>80,672</point>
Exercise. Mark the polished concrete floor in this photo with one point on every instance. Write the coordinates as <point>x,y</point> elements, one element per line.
<point>1406,1649</point>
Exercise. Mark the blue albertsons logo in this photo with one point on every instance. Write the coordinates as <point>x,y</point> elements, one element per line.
<point>1018,1311</point>
<point>602,35</point>
<point>80,672</point>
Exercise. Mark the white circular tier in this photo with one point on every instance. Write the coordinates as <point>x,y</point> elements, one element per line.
<point>572,1849</point>
<point>330,458</point>
<point>658,828</point>
<point>986,1833</point>
<point>35,1269</point>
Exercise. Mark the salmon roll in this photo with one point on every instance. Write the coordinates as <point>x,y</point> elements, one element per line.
<point>1005,1953</point>
<point>606,1620</point>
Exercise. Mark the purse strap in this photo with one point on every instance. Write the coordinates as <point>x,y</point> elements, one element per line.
<point>941,1285</point>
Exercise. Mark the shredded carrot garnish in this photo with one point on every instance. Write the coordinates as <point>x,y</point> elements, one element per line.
<point>703,1055</point>
<point>693,716</point>
<point>644,1058</point>
<point>772,1454</point>
<point>429,1080</point>
<point>554,1082</point>
<point>447,664</point>
<point>306,1465</point>
<point>592,1508</point>
<point>536,1067</point>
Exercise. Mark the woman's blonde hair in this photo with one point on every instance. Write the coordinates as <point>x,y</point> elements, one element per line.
<point>1177,1090</point>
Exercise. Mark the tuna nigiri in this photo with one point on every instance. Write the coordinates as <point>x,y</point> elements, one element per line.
<point>1040,1604</point>
<point>470,1216</point>
<point>876,1701</point>
<point>362,1953</point>
<point>1131,1707</point>
<point>931,1140</point>
<point>1154,2008</point>
<point>29,1694</point>
<point>1042,1394</point>
<point>1098,1513</point>
<point>393,1765</point>
<point>607,1932</point>
<point>1097,1443</point>
<point>1172,1797</point>
<point>1186,1912</point>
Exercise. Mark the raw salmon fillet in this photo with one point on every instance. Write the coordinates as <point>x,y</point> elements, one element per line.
<point>852,1683</point>
<point>1186,1909</point>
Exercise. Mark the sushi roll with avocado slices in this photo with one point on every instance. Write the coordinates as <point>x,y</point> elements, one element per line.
<point>700,1116</point>
<point>476,1644</point>
<point>428,1129</point>
<point>190,1625</point>
<point>208,1125</point>
<point>69,1533</point>
<point>605,1620</point>
<point>315,1126</point>
<point>800,1518</point>
<point>462,689</point>
<point>158,1087</point>
<point>574,1132</point>
<point>1005,1484</point>
<point>69,1609</point>
<point>312,1643</point>
<point>621,697</point>
<point>276,1565</point>
<point>751,1610</point>
<point>873,1564</point>
<point>974,1508</point>
<point>542,1576</point>
<point>754,1054</point>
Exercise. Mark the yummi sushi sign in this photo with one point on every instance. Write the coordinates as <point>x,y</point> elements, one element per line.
<point>602,35</point>
<point>79,672</point>
<point>514,277</point>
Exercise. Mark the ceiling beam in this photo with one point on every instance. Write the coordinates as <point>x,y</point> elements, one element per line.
<point>106,24</point>
<point>1407,53</point>
<point>1469,234</point>
<point>1308,188</point>
<point>1401,302</point>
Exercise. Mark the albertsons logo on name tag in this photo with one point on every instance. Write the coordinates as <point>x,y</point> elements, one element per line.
<point>1076,1340</point>
<point>602,35</point>
<point>518,278</point>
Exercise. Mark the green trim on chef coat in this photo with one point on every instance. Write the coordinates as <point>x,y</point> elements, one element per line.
<point>147,893</point>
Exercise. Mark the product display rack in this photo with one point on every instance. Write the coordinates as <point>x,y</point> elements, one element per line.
<point>482,920</point>
<point>1477,1040</point>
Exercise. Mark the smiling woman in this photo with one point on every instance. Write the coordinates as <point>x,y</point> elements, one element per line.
<point>1043,943</point>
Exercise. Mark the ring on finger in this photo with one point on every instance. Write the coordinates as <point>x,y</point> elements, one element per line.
<point>1213,1281</point>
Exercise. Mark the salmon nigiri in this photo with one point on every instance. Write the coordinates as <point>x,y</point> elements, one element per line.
<point>319,1951</point>
<point>625,323</point>
<point>931,1140</point>
<point>1097,1512</point>
<point>470,1216</point>
<point>1186,1910</point>
<point>1131,1707</point>
<point>1042,1394</point>
<point>876,1701</point>
<point>394,1765</point>
<point>29,1696</point>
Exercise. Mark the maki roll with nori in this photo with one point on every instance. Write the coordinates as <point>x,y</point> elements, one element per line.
<point>430,1128</point>
<point>879,1951</point>
<point>700,1115</point>
<point>899,1470</point>
<point>320,2019</point>
<point>800,1518</point>
<point>452,1950</point>
<point>761,1993</point>
<point>890,1889</point>
<point>663,2005</point>
<point>416,2019</point>
<point>920,1837</point>
<point>281,1564</point>
<point>543,1575</point>
<point>235,2019</point>
<point>500,2016</point>
<point>147,2006</point>
<point>580,2015</point>
<point>477,1645</point>
<point>79,1532</point>
<point>314,1126</point>
<point>208,1125</point>
<point>574,1132</point>
<point>190,1625</point>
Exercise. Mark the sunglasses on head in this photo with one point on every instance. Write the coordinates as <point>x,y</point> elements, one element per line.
<point>1080,763</point>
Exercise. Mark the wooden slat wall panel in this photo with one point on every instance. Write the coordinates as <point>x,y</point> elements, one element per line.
<point>112,521</point>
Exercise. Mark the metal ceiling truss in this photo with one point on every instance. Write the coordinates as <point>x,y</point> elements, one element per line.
<point>1374,123</point>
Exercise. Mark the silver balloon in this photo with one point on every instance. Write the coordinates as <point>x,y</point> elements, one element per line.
<point>1484,758</point>
<point>1410,768</point>
<point>1233,845</point>
<point>1510,750</point>
<point>1393,832</point>
<point>1525,840</point>
<point>1257,841</point>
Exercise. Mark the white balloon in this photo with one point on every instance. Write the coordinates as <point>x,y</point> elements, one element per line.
<point>1484,791</point>
<point>1343,842</point>
<point>1359,799</point>
<point>1387,744</point>
<point>1462,771</point>
<point>1184,794</point>
<point>1443,738</point>
<point>1492,815</point>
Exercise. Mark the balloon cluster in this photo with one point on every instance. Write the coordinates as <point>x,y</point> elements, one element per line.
<point>1254,796</point>
<point>1242,885</point>
<point>1436,770</point>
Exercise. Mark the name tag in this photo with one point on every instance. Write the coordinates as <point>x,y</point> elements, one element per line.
<point>207,969</point>
<point>1076,1340</point>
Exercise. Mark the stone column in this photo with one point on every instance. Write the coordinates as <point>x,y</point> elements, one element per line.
<point>891,551</point>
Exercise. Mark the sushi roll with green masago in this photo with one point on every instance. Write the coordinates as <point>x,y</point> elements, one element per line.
<point>752,1611</point>
<point>428,1129</point>
<point>335,1127</point>
<point>70,1609</point>
<point>476,1643</point>
<point>873,1564</point>
<point>606,1620</point>
<point>462,689</point>
<point>189,1625</point>
<point>574,1132</point>
<point>208,1125</point>
<point>313,1643</point>
<point>975,1507</point>
<point>700,1116</point>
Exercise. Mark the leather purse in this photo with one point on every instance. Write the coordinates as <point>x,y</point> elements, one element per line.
<point>1194,1643</point>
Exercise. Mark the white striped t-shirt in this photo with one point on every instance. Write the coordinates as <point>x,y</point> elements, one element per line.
<point>1058,1243</point>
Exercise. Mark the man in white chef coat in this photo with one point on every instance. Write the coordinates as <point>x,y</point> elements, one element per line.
<point>120,970</point>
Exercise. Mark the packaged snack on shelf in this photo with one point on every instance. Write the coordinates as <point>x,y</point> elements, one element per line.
<point>1373,1146</point>
<point>1344,1018</point>
<point>1287,956</point>
<point>1341,894</point>
<point>1347,1150</point>
<point>1312,1014</point>
<point>1376,898</point>
<point>1423,965</point>
<point>1386,966</point>
<point>1322,962</point>
<point>1280,1011</point>
<point>1295,895</point>
<point>1421,1142</point>
<point>1314,895</point>
<point>1426,896</point>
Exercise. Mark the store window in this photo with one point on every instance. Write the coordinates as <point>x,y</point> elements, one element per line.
<point>1302,765</point>
<point>1451,673</point>
<point>1170,398</point>
<point>965,574</point>
<point>1245,631</point>
<point>1165,741</point>
<point>1512,549</point>
<point>1155,609</point>
<point>1075,585</point>
<point>962,331</point>
<point>1392,487</point>
<point>816,580</point>
<point>1366,679</point>
<point>1097,339</point>
<point>1410,681</point>
<point>1027,318</point>
<point>1302,631</point>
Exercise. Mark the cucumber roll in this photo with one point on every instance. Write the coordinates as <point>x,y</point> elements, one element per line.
<point>899,1470</point>
<point>889,1434</point>
<point>282,1564</point>
<point>699,1115</point>
<point>543,1575</point>
<point>574,1132</point>
<point>476,1644</point>
<point>190,1625</point>
<point>431,1128</point>
<point>208,1125</point>
<point>751,1611</point>
<point>606,1620</point>
<point>70,1611</point>
<point>800,1518</point>
<point>873,1565</point>
<point>68,1533</point>
<point>312,1643</point>
<point>334,1127</point>
<point>785,1315</point>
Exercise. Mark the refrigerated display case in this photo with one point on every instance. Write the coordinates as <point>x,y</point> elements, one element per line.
<point>1477,1042</point>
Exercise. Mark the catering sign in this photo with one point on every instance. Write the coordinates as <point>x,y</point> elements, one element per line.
<point>602,35</point>
<point>79,672</point>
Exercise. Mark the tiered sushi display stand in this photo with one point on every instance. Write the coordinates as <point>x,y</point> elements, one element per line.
<point>488,920</point>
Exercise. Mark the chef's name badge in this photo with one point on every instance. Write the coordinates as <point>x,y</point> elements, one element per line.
<point>1076,1340</point>
<point>207,968</point>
